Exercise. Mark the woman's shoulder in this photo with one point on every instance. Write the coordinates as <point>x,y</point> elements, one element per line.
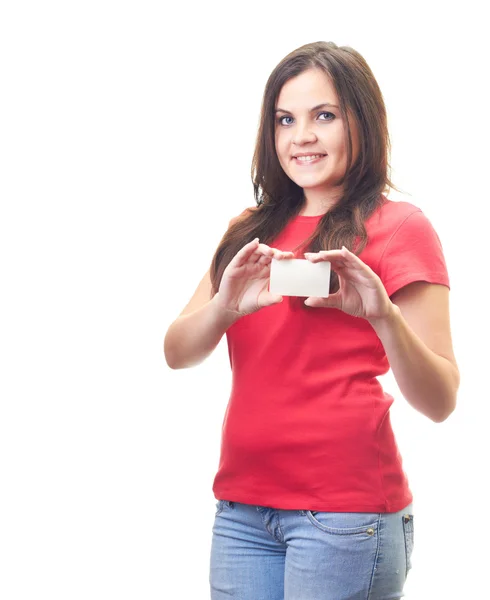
<point>393,222</point>
<point>391,215</point>
<point>245,213</point>
<point>397,210</point>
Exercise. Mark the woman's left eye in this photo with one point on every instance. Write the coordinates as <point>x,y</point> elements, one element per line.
<point>331,116</point>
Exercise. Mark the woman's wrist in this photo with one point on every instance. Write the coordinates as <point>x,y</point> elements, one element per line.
<point>380,324</point>
<point>224,315</point>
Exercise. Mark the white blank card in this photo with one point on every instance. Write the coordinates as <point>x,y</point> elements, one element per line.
<point>297,277</point>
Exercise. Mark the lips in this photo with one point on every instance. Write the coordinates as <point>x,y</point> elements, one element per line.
<point>307,163</point>
<point>309,154</point>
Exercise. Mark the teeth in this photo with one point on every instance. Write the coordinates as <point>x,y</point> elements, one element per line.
<point>308,158</point>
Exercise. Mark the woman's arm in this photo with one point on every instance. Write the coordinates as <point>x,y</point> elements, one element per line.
<point>416,337</point>
<point>196,332</point>
<point>243,290</point>
<point>412,324</point>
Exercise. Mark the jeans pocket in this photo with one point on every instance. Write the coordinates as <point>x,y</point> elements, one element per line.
<point>408,535</point>
<point>345,523</point>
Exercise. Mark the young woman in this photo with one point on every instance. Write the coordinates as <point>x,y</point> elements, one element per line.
<point>313,501</point>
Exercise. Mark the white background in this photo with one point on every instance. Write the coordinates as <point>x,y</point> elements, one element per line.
<point>127,132</point>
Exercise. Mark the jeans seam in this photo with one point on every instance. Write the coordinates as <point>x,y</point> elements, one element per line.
<point>406,533</point>
<point>375,565</point>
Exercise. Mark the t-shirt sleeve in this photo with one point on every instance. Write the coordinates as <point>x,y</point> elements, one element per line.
<point>413,253</point>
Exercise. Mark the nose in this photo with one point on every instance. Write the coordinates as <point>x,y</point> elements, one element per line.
<point>303,134</point>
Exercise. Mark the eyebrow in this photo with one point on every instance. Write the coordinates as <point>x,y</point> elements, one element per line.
<point>311,109</point>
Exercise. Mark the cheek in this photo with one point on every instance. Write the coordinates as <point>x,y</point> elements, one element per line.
<point>337,140</point>
<point>281,149</point>
<point>279,142</point>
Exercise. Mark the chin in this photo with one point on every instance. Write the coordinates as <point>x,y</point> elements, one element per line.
<point>313,182</point>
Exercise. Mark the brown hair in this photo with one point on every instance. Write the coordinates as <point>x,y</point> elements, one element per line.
<point>279,199</point>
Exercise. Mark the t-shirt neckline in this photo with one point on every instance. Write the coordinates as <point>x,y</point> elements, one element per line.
<point>308,219</point>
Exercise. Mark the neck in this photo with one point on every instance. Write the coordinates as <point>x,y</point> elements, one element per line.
<point>317,205</point>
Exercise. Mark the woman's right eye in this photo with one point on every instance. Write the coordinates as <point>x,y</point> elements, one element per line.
<point>281,118</point>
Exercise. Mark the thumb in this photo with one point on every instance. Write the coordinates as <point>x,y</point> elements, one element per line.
<point>269,299</point>
<point>330,302</point>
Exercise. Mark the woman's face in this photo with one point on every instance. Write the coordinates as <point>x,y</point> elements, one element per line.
<point>304,127</point>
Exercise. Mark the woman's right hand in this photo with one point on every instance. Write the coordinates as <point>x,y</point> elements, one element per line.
<point>243,287</point>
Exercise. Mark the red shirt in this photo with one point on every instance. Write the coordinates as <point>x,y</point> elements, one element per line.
<point>307,424</point>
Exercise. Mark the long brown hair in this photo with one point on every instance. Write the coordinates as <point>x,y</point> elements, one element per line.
<point>279,199</point>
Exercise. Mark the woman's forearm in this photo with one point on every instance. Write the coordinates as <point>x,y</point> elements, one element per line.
<point>192,337</point>
<point>429,382</point>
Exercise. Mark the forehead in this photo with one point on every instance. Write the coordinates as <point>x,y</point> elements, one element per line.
<point>306,90</point>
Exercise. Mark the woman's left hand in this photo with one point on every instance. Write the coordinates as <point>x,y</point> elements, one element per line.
<point>361,293</point>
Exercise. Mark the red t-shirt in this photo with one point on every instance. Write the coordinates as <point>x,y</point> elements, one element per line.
<point>307,424</point>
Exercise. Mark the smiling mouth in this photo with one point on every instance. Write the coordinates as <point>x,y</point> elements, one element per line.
<point>309,161</point>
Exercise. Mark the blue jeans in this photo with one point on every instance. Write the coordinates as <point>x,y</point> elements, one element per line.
<point>261,553</point>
